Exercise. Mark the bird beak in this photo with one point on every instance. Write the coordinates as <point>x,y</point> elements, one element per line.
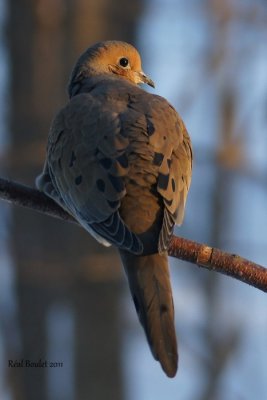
<point>143,78</point>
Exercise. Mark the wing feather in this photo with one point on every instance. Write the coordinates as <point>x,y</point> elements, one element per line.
<point>174,157</point>
<point>87,162</point>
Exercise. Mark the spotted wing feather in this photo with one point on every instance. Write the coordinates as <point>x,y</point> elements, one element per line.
<point>87,162</point>
<point>173,154</point>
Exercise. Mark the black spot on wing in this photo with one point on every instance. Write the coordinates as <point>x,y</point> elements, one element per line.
<point>173,185</point>
<point>157,160</point>
<point>100,184</point>
<point>123,160</point>
<point>168,202</point>
<point>163,181</point>
<point>150,127</point>
<point>78,180</point>
<point>163,308</point>
<point>105,162</point>
<point>116,182</point>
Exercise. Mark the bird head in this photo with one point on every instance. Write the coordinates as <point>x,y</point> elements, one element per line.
<point>110,57</point>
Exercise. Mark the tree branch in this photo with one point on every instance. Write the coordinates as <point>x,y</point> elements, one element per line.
<point>220,261</point>
<point>184,249</point>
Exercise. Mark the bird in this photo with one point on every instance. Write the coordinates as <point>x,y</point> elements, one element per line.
<point>119,160</point>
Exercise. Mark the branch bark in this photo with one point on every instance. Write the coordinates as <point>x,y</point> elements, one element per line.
<point>200,254</point>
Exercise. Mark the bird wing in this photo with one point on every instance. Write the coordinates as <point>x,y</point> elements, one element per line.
<point>87,162</point>
<point>173,153</point>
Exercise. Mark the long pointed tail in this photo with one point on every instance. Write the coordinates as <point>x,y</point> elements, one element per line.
<point>150,286</point>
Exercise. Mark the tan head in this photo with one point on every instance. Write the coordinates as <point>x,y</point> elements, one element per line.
<point>110,57</point>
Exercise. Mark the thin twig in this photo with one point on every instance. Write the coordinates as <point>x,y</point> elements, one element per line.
<point>28,197</point>
<point>184,249</point>
<point>220,261</point>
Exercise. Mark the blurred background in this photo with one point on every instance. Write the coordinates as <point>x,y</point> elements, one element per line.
<point>63,297</point>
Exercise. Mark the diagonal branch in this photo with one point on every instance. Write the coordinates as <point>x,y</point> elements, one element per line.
<point>184,249</point>
<point>220,261</point>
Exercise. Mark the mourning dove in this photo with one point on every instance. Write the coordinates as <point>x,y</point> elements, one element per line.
<point>119,160</point>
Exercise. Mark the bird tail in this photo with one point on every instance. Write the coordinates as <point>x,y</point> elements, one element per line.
<point>150,287</point>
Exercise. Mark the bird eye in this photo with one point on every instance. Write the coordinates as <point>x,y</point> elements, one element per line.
<point>124,62</point>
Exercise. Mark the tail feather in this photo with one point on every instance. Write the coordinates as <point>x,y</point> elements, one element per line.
<point>150,287</point>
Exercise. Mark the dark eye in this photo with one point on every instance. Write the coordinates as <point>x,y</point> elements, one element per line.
<point>124,62</point>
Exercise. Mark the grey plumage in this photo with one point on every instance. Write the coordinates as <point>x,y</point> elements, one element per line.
<point>119,160</point>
